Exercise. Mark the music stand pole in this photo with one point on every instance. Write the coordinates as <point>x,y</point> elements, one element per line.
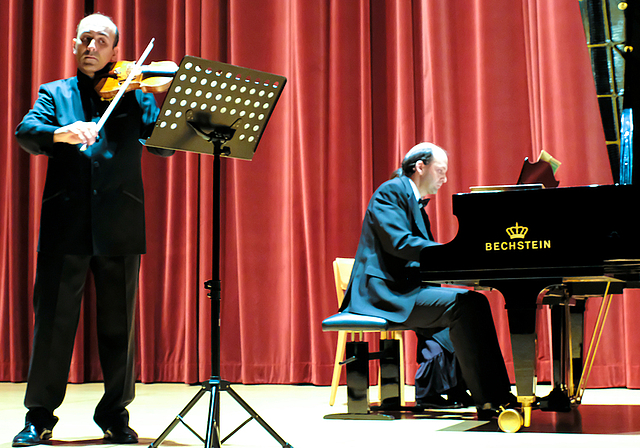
<point>206,127</point>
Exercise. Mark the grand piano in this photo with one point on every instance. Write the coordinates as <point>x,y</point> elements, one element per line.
<point>510,239</point>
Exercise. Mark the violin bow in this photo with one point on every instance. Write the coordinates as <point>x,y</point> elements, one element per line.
<point>123,88</point>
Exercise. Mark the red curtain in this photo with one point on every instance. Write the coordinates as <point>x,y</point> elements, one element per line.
<point>492,82</point>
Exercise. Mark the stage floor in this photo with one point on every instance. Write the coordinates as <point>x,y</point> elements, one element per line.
<point>607,417</point>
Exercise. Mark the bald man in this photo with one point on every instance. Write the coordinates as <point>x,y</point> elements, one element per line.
<point>92,220</point>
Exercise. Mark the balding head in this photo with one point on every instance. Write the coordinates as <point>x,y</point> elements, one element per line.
<point>426,164</point>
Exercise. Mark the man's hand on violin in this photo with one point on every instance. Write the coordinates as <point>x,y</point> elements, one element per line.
<point>80,132</point>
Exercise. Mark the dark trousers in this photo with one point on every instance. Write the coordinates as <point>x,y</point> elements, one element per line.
<point>438,371</point>
<point>467,314</point>
<point>58,292</point>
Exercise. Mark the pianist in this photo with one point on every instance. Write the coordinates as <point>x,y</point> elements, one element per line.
<point>385,280</point>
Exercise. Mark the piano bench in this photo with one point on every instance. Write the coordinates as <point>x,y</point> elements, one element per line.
<point>358,322</point>
<point>357,357</point>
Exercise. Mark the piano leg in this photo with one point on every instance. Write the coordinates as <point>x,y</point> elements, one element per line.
<point>558,298</point>
<point>567,317</point>
<point>571,367</point>
<point>522,346</point>
<point>521,303</point>
<point>576,318</point>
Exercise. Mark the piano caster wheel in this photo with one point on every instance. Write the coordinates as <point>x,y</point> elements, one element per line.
<point>510,420</point>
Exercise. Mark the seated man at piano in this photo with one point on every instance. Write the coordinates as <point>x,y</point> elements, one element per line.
<point>385,280</point>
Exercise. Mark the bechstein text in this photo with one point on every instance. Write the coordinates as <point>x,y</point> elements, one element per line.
<point>517,241</point>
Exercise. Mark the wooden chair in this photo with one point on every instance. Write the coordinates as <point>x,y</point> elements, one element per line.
<point>354,326</point>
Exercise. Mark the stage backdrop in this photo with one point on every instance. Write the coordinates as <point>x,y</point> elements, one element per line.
<point>493,82</point>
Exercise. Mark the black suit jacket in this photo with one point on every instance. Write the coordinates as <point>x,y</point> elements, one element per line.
<point>385,277</point>
<point>93,202</point>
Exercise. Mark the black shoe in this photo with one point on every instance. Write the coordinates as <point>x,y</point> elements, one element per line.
<point>120,435</point>
<point>462,398</point>
<point>487,413</point>
<point>557,401</point>
<point>32,435</point>
<point>437,402</point>
<point>512,402</point>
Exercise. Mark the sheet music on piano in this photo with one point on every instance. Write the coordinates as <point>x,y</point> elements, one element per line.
<point>533,176</point>
<point>493,188</point>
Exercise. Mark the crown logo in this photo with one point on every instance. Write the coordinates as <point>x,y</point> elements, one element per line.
<point>517,231</point>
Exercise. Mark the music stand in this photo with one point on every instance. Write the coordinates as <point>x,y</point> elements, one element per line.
<point>219,109</point>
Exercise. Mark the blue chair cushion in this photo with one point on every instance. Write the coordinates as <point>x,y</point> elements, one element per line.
<point>358,322</point>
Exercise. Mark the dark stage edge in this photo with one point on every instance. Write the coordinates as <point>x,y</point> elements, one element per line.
<point>585,419</point>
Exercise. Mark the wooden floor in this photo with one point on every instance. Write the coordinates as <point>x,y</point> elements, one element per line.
<point>607,418</point>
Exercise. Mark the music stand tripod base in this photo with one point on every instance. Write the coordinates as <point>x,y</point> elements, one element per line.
<point>225,386</point>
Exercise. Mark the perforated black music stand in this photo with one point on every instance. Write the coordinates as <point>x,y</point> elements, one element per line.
<point>218,109</point>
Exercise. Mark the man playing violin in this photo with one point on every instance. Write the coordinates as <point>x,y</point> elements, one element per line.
<point>92,218</point>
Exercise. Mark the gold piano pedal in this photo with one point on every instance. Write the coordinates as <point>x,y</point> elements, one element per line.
<point>509,420</point>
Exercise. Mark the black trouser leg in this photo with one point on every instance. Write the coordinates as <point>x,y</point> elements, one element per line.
<point>474,337</point>
<point>116,280</point>
<point>57,298</point>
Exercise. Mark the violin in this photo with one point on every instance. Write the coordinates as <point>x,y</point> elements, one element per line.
<point>154,78</point>
<point>132,71</point>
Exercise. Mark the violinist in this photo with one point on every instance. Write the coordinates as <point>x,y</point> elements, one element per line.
<point>92,218</point>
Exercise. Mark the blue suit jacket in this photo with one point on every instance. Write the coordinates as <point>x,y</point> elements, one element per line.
<point>93,202</point>
<point>385,277</point>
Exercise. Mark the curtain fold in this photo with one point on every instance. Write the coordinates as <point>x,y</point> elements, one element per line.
<point>491,82</point>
